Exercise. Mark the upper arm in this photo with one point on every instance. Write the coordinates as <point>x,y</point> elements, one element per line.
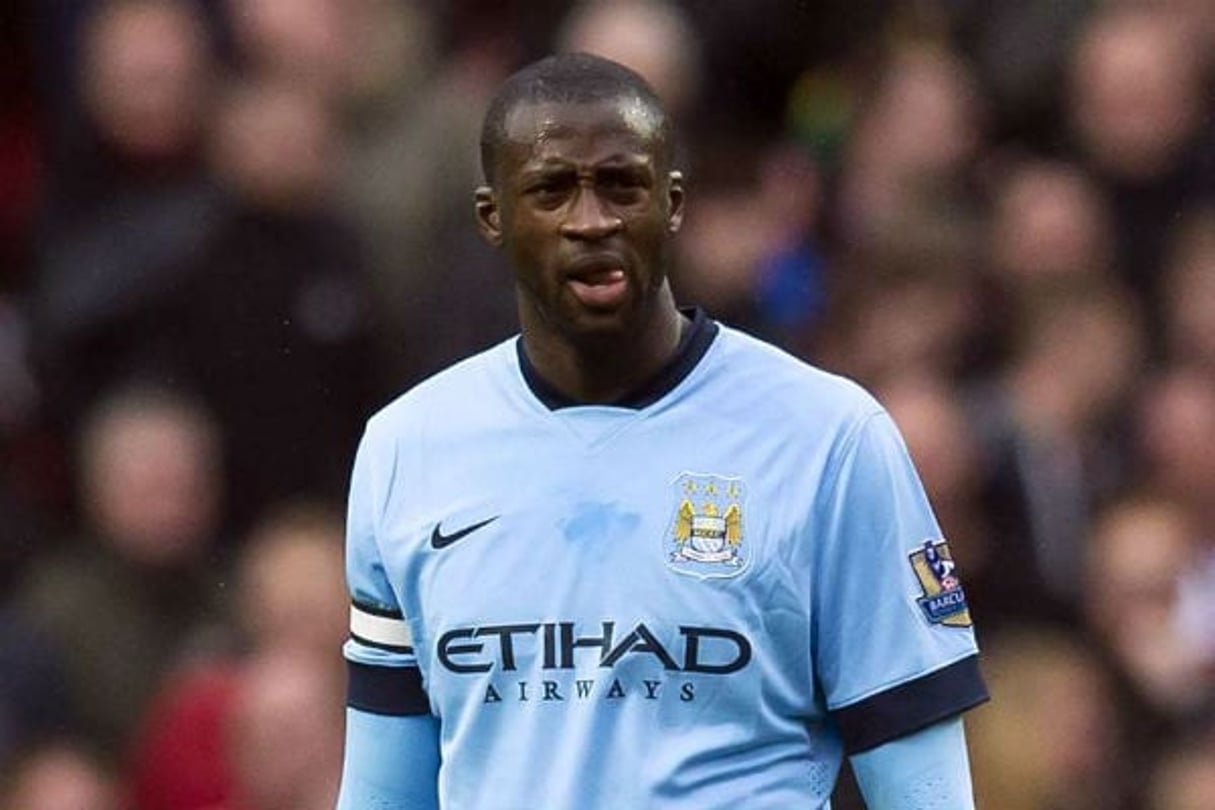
<point>893,647</point>
<point>392,741</point>
<point>384,677</point>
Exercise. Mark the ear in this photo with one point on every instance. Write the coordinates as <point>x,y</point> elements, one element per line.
<point>675,200</point>
<point>489,218</point>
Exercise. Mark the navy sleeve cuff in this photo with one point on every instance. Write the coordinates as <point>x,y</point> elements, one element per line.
<point>386,690</point>
<point>912,706</point>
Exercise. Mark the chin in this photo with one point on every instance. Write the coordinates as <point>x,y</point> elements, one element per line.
<point>597,326</point>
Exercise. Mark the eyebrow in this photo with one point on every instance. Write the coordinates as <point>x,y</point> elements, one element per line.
<point>546,170</point>
<point>617,160</point>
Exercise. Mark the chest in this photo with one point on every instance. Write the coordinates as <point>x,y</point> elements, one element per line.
<point>667,540</point>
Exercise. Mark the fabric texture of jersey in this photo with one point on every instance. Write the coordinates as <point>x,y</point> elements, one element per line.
<point>701,602</point>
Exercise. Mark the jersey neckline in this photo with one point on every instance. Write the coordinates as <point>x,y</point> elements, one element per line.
<point>693,345</point>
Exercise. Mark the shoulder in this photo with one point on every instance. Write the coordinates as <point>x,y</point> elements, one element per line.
<point>459,389</point>
<point>768,381</point>
<point>444,414</point>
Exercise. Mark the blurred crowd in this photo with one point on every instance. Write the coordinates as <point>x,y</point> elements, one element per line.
<point>230,229</point>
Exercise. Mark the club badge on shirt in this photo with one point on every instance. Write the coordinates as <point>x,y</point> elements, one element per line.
<point>706,537</point>
<point>943,600</point>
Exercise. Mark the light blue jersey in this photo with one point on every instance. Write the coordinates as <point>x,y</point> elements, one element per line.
<point>701,598</point>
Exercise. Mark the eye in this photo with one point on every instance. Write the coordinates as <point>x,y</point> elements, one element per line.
<point>549,191</point>
<point>622,185</point>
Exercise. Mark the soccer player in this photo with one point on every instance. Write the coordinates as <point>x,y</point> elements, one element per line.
<point>634,558</point>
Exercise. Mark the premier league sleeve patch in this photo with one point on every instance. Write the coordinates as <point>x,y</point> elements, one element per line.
<point>943,600</point>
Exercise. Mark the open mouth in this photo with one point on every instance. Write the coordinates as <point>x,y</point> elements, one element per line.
<point>599,285</point>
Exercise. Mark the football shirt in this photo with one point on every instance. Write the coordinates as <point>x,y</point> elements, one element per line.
<point>701,597</point>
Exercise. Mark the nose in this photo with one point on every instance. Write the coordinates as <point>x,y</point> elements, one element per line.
<point>588,219</point>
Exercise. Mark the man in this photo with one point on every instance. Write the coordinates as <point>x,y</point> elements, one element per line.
<point>635,558</point>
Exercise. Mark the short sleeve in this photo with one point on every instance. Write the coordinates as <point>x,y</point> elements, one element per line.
<point>383,671</point>
<point>893,646</point>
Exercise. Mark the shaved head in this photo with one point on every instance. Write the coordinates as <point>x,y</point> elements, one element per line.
<point>570,78</point>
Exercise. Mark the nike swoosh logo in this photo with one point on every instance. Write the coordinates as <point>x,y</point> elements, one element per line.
<point>439,540</point>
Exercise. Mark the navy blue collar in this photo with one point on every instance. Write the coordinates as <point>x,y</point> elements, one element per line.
<point>693,343</point>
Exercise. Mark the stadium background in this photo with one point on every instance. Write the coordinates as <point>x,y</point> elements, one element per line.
<point>228,230</point>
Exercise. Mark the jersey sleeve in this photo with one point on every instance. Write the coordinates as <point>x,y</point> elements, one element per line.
<point>893,646</point>
<point>383,671</point>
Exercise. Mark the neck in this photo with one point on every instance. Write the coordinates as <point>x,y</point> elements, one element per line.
<point>602,369</point>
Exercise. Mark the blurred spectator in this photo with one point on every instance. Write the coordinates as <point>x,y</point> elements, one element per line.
<point>397,50</point>
<point>291,604</point>
<point>1196,15</point>
<point>145,72</point>
<point>1051,737</point>
<point>749,251</point>
<point>1139,90</point>
<point>1177,432</point>
<point>1141,113</point>
<point>1049,425</point>
<point>145,75</point>
<point>272,146</point>
<point>61,775</point>
<point>907,302</point>
<point>251,294</point>
<point>913,143</point>
<point>1139,551</point>
<point>1019,51</point>
<point>309,43</point>
<point>291,589</point>
<point>427,261</point>
<point>653,37</point>
<point>125,603</point>
<point>1185,778</point>
<point>33,696</point>
<point>1189,304</point>
<point>1050,226</point>
<point>271,323</point>
<point>128,204</point>
<point>179,755</point>
<point>285,740</point>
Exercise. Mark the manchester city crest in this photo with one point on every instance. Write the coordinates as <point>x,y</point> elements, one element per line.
<point>706,537</point>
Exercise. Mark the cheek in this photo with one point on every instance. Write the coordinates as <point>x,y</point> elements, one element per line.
<point>525,249</point>
<point>529,260</point>
<point>651,236</point>
<point>523,225</point>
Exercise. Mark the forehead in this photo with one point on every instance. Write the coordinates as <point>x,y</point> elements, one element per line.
<point>544,130</point>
